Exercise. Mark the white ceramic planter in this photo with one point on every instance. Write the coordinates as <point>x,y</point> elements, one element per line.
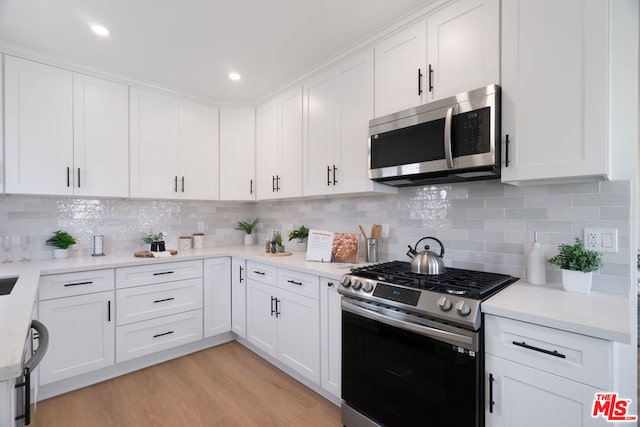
<point>60,253</point>
<point>249,239</point>
<point>576,281</point>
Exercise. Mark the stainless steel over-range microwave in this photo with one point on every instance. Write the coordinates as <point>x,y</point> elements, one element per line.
<point>453,139</point>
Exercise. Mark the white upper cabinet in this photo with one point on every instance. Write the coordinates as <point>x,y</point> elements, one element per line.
<point>279,146</point>
<point>462,53</point>
<point>101,137</point>
<point>199,152</point>
<point>400,62</point>
<point>237,154</point>
<point>338,105</point>
<point>38,128</point>
<point>463,47</point>
<point>66,133</point>
<point>174,147</point>
<point>554,90</point>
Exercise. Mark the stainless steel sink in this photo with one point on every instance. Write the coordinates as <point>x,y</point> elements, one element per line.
<point>7,284</point>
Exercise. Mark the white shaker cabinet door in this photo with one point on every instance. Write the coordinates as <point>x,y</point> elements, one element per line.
<point>554,90</point>
<point>262,328</point>
<point>400,73</point>
<point>289,176</point>
<point>330,336</point>
<point>239,297</point>
<point>101,137</point>
<point>199,152</point>
<point>155,149</point>
<point>217,296</point>
<point>38,128</point>
<point>463,47</point>
<point>77,347</point>
<point>267,149</point>
<point>237,154</point>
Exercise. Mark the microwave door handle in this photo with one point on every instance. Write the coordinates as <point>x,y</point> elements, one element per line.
<point>448,123</point>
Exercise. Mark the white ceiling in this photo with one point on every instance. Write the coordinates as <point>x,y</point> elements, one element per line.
<point>191,45</point>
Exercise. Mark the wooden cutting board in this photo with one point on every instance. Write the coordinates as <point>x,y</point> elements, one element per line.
<point>147,254</point>
<point>285,253</point>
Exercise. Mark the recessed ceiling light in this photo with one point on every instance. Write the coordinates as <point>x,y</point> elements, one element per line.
<point>100,30</point>
<point>234,76</point>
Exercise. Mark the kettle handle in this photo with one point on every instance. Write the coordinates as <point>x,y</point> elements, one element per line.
<point>411,252</point>
<point>432,238</point>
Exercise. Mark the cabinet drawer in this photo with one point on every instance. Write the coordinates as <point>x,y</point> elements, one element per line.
<point>157,273</point>
<point>70,284</point>
<point>574,356</point>
<point>299,283</point>
<point>146,302</point>
<point>262,273</point>
<point>142,338</point>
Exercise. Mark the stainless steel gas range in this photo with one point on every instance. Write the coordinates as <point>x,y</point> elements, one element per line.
<point>412,345</point>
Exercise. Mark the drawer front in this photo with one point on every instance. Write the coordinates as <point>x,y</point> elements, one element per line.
<point>150,336</point>
<point>157,273</point>
<point>262,273</point>
<point>566,354</point>
<point>147,302</point>
<point>299,283</point>
<point>70,284</point>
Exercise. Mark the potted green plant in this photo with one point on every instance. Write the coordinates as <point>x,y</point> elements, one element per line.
<point>155,240</point>
<point>61,240</point>
<point>278,243</point>
<point>248,228</point>
<point>577,264</point>
<point>300,235</point>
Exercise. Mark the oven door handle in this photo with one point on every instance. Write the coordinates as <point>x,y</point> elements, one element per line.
<point>448,127</point>
<point>426,331</point>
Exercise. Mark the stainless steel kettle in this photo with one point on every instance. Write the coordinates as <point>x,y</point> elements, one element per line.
<point>426,262</point>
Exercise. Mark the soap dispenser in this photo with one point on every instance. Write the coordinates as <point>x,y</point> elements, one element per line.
<point>536,263</point>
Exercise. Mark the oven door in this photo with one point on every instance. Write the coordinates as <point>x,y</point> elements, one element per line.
<point>402,370</point>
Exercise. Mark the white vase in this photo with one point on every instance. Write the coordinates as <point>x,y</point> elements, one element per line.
<point>60,253</point>
<point>249,239</point>
<point>576,281</point>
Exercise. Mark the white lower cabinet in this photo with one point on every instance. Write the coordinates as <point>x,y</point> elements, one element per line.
<point>81,330</point>
<point>540,376</point>
<point>283,321</point>
<point>239,297</point>
<point>330,336</point>
<point>527,397</point>
<point>217,296</point>
<point>159,306</point>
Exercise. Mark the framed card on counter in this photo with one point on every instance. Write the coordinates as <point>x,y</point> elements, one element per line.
<point>326,246</point>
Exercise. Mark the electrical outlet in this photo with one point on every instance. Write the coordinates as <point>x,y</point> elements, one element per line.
<point>601,239</point>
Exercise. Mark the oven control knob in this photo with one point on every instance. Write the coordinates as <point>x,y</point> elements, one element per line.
<point>444,303</point>
<point>356,285</point>
<point>345,282</point>
<point>368,287</point>
<point>463,308</point>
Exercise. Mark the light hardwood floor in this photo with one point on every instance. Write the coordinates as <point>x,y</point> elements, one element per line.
<point>226,386</point>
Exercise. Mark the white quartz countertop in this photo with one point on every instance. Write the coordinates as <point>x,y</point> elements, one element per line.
<point>597,314</point>
<point>16,308</point>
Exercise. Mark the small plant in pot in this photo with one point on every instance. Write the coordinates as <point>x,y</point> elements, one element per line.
<point>155,240</point>
<point>300,235</point>
<point>61,240</point>
<point>577,264</point>
<point>248,228</point>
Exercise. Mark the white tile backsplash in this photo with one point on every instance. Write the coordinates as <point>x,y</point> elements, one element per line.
<point>483,225</point>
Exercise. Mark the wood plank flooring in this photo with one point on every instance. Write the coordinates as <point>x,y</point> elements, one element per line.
<point>226,386</point>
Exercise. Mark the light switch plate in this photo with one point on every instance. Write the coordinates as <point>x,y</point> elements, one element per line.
<point>601,239</point>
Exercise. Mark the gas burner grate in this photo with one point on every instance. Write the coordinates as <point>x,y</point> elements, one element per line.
<point>455,281</point>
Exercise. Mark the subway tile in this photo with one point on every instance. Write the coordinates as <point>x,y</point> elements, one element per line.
<point>572,214</point>
<point>587,187</point>
<point>614,213</point>
<point>547,201</point>
<point>603,199</point>
<point>505,248</point>
<point>620,186</point>
<point>532,213</point>
<point>486,214</point>
<point>505,202</point>
<point>467,204</point>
